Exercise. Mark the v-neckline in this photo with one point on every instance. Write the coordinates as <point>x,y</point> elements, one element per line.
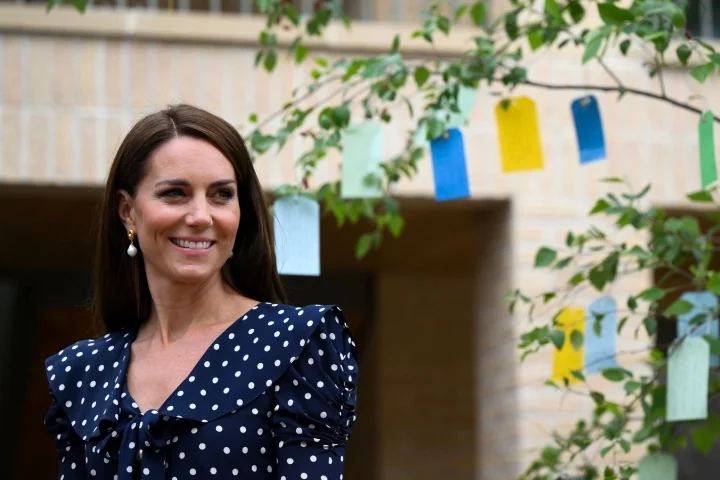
<point>226,331</point>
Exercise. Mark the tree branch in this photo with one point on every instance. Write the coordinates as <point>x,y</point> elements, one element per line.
<point>605,88</point>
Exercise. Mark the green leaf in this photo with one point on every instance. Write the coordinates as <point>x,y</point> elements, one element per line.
<point>576,279</point>
<point>578,374</point>
<point>597,278</point>
<point>652,294</point>
<point>421,75</point>
<point>600,206</point>
<point>678,307</point>
<point>597,397</point>
<point>396,225</point>
<point>261,143</point>
<point>612,180</point>
<point>478,12</point>
<point>362,247</point>
<point>625,445</point>
<point>650,323</point>
<point>700,196</point>
<point>577,339</point>
<point>714,344</point>
<point>611,14</point>
<point>683,53</point>
<point>577,11</point>
<point>535,38</point>
<point>632,386</point>
<point>625,46</point>
<point>643,434</point>
<point>443,24</point>
<point>678,19</point>
<point>713,283</point>
<point>614,374</point>
<point>545,257</point>
<point>341,116</point>
<point>704,437</point>
<point>701,72</point>
<point>396,44</point>
<point>270,60</point>
<point>558,338</point>
<point>301,52</point>
<point>459,12</point>
<point>592,48</point>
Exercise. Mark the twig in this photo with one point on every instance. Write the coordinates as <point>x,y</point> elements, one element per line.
<point>298,100</point>
<point>658,66</point>
<point>611,73</point>
<point>605,88</point>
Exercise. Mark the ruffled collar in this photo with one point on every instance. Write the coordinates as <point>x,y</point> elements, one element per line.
<point>247,358</point>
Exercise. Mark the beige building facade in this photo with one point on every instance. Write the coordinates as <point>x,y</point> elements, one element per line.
<point>445,393</point>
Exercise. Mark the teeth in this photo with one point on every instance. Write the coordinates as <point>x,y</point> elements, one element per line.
<point>188,244</point>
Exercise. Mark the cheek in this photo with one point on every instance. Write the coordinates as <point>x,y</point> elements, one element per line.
<point>229,221</point>
<point>156,217</point>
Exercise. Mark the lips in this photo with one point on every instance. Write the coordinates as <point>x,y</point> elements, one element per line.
<point>192,245</point>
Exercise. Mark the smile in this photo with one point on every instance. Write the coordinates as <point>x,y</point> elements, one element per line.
<point>192,245</point>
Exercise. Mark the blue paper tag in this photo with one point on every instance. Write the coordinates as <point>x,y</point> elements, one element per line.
<point>297,236</point>
<point>588,128</point>
<point>449,166</point>
<point>704,303</point>
<point>600,349</point>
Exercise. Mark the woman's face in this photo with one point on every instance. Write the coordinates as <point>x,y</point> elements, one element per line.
<point>185,212</point>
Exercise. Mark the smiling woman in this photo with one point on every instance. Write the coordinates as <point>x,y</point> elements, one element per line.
<point>204,371</point>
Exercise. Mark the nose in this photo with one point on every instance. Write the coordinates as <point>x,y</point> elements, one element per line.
<point>199,214</point>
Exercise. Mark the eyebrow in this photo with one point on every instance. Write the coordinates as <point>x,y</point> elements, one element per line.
<point>177,182</point>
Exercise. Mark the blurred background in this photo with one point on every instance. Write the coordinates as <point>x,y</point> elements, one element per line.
<point>442,394</point>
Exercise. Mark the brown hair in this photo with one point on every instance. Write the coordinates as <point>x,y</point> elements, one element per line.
<point>121,296</point>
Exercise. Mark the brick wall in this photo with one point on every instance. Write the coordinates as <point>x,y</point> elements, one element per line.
<point>66,100</point>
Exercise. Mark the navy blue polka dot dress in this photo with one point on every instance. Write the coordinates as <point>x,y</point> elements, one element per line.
<point>273,397</point>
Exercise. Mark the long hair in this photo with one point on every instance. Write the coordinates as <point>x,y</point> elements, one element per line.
<point>121,297</point>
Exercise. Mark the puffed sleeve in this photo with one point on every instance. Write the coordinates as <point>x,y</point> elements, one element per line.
<point>70,447</point>
<point>315,404</point>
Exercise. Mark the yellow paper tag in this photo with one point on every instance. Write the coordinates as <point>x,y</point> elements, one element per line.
<point>567,358</point>
<point>519,135</point>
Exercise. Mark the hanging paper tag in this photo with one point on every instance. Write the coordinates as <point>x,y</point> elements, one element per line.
<point>518,135</point>
<point>687,380</point>
<point>467,97</point>
<point>660,466</point>
<point>588,129</point>
<point>708,167</point>
<point>297,236</point>
<point>705,304</point>
<point>449,166</point>
<point>363,152</point>
<point>567,358</point>
<point>600,347</point>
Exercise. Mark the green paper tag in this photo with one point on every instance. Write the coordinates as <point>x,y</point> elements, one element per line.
<point>708,169</point>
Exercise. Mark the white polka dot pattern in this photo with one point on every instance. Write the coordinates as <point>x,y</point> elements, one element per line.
<point>272,397</point>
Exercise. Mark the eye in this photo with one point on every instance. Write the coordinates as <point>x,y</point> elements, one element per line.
<point>225,194</point>
<point>172,193</point>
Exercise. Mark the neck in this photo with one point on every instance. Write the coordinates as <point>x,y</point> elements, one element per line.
<point>180,308</point>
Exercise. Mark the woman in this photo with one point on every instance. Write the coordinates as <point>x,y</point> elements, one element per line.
<point>203,372</point>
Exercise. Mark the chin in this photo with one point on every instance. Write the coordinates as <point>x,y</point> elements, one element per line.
<point>193,274</point>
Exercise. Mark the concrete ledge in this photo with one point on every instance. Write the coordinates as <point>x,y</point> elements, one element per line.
<point>199,27</point>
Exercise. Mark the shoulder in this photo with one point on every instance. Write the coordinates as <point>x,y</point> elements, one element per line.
<point>71,364</point>
<point>326,344</point>
<point>323,323</point>
<point>87,351</point>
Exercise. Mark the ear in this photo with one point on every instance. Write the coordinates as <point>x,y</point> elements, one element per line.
<point>126,210</point>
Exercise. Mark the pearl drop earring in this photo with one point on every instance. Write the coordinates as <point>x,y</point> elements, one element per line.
<point>131,250</point>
